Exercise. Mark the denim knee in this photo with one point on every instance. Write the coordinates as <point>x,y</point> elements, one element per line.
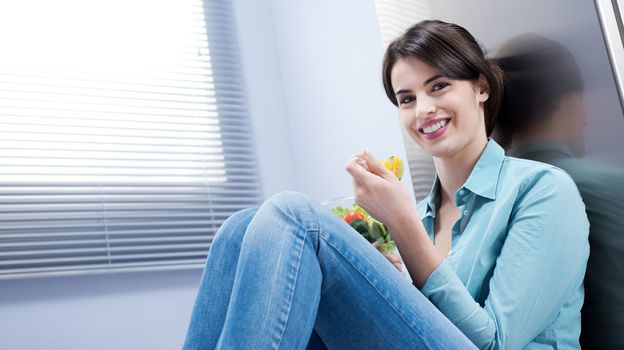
<point>233,228</point>
<point>290,200</point>
<point>293,208</point>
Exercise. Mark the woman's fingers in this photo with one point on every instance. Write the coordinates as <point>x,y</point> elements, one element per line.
<point>360,160</point>
<point>376,166</point>
<point>395,259</point>
<point>356,166</point>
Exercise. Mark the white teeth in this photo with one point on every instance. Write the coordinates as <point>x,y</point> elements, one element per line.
<point>434,127</point>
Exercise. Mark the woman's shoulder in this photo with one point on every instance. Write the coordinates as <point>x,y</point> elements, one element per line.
<point>526,174</point>
<point>519,179</point>
<point>527,185</point>
<point>528,165</point>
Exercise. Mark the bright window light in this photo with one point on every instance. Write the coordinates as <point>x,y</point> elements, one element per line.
<point>108,92</point>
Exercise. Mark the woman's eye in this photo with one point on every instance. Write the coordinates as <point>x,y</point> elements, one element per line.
<point>440,86</point>
<point>407,99</point>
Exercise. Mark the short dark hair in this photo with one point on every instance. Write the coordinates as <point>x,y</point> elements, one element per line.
<point>454,52</point>
<point>539,72</point>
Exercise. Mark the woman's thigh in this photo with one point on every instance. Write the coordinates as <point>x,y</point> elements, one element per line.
<point>365,302</point>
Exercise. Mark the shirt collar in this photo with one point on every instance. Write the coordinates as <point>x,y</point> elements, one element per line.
<point>483,179</point>
<point>432,198</point>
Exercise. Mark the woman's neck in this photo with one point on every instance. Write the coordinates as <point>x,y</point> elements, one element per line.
<point>455,170</point>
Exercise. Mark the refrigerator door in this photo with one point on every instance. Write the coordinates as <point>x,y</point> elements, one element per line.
<point>610,12</point>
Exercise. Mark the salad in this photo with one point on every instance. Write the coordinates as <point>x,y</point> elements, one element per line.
<point>366,225</point>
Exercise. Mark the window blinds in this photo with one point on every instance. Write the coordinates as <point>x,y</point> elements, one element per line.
<point>124,135</point>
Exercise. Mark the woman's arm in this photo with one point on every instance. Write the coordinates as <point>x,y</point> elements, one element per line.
<point>417,250</point>
<point>379,192</point>
<point>542,262</point>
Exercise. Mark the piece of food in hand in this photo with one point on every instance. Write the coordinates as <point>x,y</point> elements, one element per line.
<point>365,225</point>
<point>394,164</point>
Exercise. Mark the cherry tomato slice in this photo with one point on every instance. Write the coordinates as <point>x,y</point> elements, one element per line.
<point>352,216</point>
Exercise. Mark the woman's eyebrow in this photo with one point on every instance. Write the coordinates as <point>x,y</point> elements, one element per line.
<point>402,91</point>
<point>432,79</point>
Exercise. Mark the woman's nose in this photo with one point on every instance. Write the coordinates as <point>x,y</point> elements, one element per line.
<point>425,107</point>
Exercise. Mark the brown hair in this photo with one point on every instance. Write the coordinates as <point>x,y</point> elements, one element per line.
<point>454,52</point>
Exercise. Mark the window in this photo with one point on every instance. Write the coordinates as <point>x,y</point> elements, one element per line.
<point>124,135</point>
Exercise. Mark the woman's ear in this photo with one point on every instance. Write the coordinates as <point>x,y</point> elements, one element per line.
<point>483,89</point>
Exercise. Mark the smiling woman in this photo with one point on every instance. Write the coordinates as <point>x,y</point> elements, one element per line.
<point>496,252</point>
<point>439,105</point>
<point>451,53</point>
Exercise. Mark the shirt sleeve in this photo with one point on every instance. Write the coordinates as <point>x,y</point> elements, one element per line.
<point>542,262</point>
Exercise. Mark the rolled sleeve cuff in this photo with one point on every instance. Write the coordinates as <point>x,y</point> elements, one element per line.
<point>446,291</point>
<point>438,279</point>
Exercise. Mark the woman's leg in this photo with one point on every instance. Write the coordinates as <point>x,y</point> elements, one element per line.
<point>301,268</point>
<point>215,287</point>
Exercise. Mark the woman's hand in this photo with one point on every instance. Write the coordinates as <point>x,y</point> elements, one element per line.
<point>378,191</point>
<point>395,259</point>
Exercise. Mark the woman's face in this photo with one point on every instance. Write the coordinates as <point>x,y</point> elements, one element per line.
<point>444,116</point>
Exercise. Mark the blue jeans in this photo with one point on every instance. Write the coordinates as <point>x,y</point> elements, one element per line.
<point>291,275</point>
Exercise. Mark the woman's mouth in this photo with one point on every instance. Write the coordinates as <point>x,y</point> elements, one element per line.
<point>434,128</point>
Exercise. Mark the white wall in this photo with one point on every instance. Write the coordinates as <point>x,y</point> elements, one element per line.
<point>266,99</point>
<point>121,311</point>
<point>330,56</point>
<point>315,97</point>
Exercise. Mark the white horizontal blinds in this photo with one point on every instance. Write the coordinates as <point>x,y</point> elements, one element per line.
<point>421,167</point>
<point>124,141</point>
<point>395,16</point>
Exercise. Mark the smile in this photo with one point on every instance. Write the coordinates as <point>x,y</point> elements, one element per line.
<point>434,126</point>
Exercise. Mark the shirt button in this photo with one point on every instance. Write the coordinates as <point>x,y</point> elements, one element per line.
<point>465,212</point>
<point>461,192</point>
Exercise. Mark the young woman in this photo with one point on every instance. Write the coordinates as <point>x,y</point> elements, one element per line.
<point>496,252</point>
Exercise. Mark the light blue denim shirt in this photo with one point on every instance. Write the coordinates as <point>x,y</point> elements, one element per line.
<point>514,276</point>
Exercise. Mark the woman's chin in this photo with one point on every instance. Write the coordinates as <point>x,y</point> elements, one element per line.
<point>439,153</point>
<point>436,148</point>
